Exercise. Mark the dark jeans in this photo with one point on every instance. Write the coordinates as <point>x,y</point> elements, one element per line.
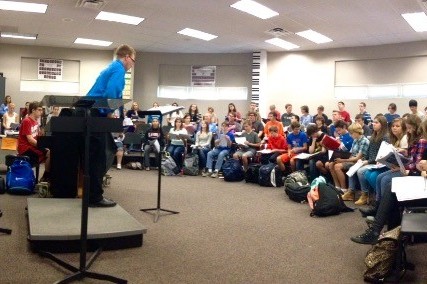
<point>203,154</point>
<point>176,152</point>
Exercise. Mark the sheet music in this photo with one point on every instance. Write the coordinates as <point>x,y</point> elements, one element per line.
<point>409,187</point>
<point>306,156</point>
<point>157,145</point>
<point>240,140</point>
<point>353,169</point>
<point>389,156</point>
<point>265,151</point>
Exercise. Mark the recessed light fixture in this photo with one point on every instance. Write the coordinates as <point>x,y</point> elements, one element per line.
<point>197,34</point>
<point>417,21</point>
<point>19,36</point>
<point>96,42</point>
<point>23,7</point>
<point>314,36</point>
<point>119,18</point>
<point>255,9</point>
<point>282,43</point>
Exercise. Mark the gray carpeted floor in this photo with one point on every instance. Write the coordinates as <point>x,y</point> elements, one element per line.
<point>225,233</point>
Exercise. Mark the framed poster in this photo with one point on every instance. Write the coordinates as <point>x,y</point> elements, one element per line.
<point>50,69</point>
<point>203,76</point>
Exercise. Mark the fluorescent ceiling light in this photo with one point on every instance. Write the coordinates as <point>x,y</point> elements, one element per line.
<point>23,6</point>
<point>314,36</point>
<point>197,34</point>
<point>254,8</point>
<point>417,21</point>
<point>282,43</point>
<point>120,18</point>
<point>19,36</point>
<point>92,42</point>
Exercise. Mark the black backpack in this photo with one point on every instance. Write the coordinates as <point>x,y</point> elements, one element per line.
<point>329,202</point>
<point>270,175</point>
<point>252,173</point>
<point>297,192</point>
<point>232,170</point>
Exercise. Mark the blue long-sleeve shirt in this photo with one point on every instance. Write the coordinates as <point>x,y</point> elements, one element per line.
<point>110,83</point>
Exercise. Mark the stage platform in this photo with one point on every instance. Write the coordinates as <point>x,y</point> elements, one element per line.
<point>54,226</point>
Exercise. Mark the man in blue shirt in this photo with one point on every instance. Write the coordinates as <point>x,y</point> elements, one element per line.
<point>109,84</point>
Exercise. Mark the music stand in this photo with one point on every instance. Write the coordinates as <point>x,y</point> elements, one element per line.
<point>160,111</point>
<point>87,125</point>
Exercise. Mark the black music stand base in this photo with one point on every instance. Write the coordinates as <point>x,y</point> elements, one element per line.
<point>157,213</point>
<point>4,230</point>
<point>159,189</point>
<point>79,274</point>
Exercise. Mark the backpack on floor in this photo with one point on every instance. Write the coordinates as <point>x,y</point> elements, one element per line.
<point>191,165</point>
<point>270,175</point>
<point>169,167</point>
<point>381,258</point>
<point>327,201</point>
<point>296,177</point>
<point>232,170</point>
<point>252,173</point>
<point>297,192</point>
<point>20,178</point>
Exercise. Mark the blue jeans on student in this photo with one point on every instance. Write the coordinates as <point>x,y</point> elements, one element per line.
<point>360,175</point>
<point>202,153</point>
<point>221,154</point>
<point>176,152</point>
<point>384,182</point>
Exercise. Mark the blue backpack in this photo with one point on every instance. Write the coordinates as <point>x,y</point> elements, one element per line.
<point>232,170</point>
<point>20,178</point>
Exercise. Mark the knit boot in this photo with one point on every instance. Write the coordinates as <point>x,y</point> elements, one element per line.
<point>348,196</point>
<point>363,199</point>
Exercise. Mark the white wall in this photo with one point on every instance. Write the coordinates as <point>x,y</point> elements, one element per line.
<point>91,63</point>
<point>307,78</point>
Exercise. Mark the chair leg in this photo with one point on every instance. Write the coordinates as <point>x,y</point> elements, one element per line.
<point>37,173</point>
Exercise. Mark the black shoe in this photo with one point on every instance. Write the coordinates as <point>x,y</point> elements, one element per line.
<point>369,211</point>
<point>104,202</point>
<point>368,238</point>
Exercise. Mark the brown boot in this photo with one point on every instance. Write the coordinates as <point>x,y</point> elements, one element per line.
<point>348,196</point>
<point>363,199</point>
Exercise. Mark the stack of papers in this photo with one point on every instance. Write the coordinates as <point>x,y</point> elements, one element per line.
<point>409,188</point>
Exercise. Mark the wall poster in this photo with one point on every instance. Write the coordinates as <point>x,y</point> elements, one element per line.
<point>203,76</point>
<point>50,69</point>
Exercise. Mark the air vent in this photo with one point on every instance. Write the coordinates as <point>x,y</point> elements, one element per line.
<point>279,32</point>
<point>91,4</point>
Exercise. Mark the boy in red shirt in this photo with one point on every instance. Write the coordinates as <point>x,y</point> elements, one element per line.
<point>27,139</point>
<point>276,143</point>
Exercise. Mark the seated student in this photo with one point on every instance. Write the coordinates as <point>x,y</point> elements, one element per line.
<point>276,143</point>
<point>10,117</point>
<point>379,135</point>
<point>176,146</point>
<point>272,121</point>
<point>315,136</point>
<point>297,143</point>
<point>320,113</point>
<point>189,126</point>
<point>233,125</point>
<point>358,150</point>
<point>27,139</point>
<point>249,147</point>
<point>336,116</point>
<point>342,135</point>
<point>221,150</point>
<point>391,115</point>
<point>414,149</point>
<point>203,143</point>
<point>54,113</point>
<point>172,116</point>
<point>153,134</point>
<point>305,117</point>
<point>237,115</point>
<point>256,124</point>
<point>194,113</point>
<point>366,129</point>
<point>321,124</point>
<point>118,139</point>
<point>388,207</point>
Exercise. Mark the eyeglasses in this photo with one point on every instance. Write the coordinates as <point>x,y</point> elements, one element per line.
<point>133,60</point>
